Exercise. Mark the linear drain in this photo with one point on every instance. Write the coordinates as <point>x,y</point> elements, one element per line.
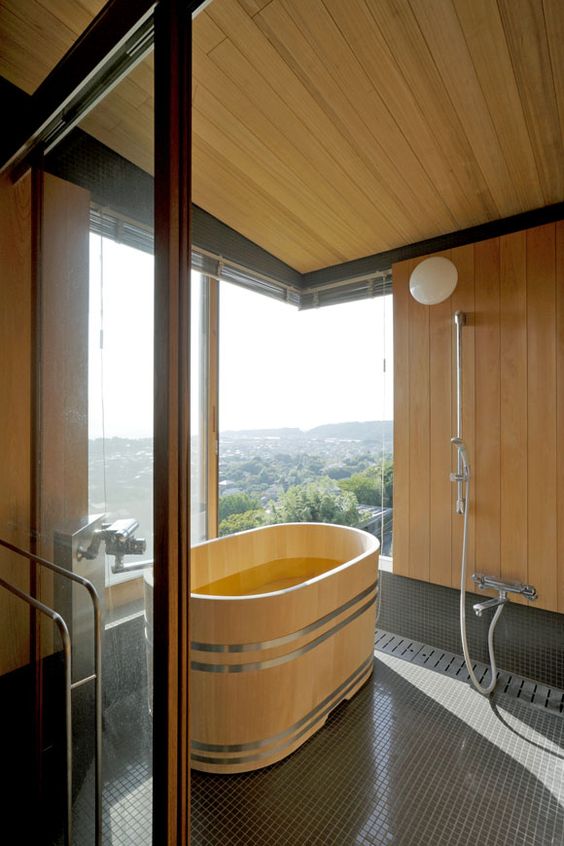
<point>448,664</point>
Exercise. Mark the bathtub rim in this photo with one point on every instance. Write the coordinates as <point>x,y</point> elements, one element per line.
<point>375,547</point>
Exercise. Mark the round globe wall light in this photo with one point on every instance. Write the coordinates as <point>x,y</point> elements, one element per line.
<point>433,280</point>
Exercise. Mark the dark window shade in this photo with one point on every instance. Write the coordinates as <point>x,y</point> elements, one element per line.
<point>226,271</point>
<point>124,231</point>
<point>121,230</point>
<point>347,292</point>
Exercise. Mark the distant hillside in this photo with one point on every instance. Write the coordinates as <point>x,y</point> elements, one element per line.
<point>264,433</point>
<point>373,430</point>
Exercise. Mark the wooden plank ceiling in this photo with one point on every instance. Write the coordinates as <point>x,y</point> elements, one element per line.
<point>326,131</point>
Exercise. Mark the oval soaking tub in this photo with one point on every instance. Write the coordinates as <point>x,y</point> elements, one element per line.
<point>282,628</point>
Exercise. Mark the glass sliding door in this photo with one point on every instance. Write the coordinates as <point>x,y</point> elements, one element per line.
<point>96,440</point>
<point>98,298</point>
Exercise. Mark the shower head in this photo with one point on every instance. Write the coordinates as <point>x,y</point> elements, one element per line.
<point>460,445</point>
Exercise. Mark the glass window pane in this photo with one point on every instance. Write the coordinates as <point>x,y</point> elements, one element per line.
<point>199,407</point>
<point>120,388</point>
<point>306,409</point>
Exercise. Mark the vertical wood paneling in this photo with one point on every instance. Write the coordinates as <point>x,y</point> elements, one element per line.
<point>463,299</point>
<point>15,413</point>
<point>400,550</point>
<point>541,411</point>
<point>486,477</point>
<point>512,292</point>
<point>440,376</point>
<point>419,440</point>
<point>62,439</point>
<point>513,375</point>
<point>64,358</point>
<point>560,405</point>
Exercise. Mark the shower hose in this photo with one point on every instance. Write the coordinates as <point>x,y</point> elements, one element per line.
<point>485,690</point>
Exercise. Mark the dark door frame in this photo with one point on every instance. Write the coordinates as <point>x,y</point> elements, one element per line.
<point>95,62</point>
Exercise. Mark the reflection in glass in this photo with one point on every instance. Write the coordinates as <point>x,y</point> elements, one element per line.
<point>120,382</point>
<point>97,458</point>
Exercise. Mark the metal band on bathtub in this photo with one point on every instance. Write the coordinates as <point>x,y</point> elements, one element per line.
<point>284,639</point>
<point>259,744</point>
<point>282,659</point>
<point>305,724</point>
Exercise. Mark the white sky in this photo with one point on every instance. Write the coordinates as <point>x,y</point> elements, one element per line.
<point>284,367</point>
<point>278,366</point>
<point>128,341</point>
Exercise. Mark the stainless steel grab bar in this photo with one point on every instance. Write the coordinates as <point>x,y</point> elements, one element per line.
<point>69,686</point>
<point>65,637</point>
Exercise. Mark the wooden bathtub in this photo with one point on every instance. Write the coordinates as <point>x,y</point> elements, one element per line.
<point>282,628</point>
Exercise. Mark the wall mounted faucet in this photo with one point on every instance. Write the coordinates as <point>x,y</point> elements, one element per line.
<point>480,607</point>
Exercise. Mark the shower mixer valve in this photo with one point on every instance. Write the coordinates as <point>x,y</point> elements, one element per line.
<point>503,588</point>
<point>119,538</point>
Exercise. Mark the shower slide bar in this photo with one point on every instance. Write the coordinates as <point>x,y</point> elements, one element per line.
<point>458,477</point>
<point>69,684</point>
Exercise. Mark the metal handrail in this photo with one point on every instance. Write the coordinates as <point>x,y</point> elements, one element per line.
<point>69,685</point>
<point>65,637</point>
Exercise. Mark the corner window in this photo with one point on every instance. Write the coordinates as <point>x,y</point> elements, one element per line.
<point>306,407</point>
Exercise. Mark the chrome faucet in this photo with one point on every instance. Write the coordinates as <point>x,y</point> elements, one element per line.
<point>500,599</point>
<point>503,588</point>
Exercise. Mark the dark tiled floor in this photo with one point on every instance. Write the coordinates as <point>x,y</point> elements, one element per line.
<point>415,759</point>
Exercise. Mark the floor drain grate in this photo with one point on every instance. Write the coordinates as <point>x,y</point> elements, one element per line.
<point>448,664</point>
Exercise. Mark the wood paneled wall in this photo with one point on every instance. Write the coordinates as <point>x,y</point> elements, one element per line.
<point>63,440</point>
<point>15,413</point>
<point>63,435</point>
<point>512,291</point>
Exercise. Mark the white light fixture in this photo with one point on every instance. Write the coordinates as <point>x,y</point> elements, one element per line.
<point>433,280</point>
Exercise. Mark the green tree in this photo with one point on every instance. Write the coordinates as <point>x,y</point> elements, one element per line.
<point>316,502</point>
<point>373,486</point>
<point>236,503</point>
<point>337,471</point>
<point>242,521</point>
<point>253,466</point>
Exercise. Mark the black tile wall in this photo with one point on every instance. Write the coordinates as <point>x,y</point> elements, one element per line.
<point>528,641</point>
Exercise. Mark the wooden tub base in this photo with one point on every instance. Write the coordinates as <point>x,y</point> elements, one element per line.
<point>263,753</point>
